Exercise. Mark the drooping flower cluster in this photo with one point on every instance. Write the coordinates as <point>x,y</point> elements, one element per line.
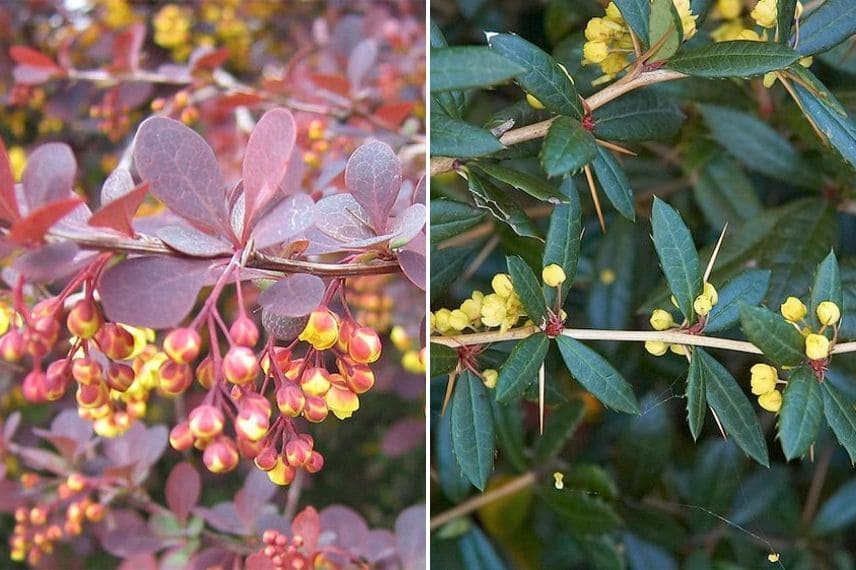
<point>662,320</point>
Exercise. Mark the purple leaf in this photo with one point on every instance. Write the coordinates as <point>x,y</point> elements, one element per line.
<point>10,426</point>
<point>258,561</point>
<point>266,158</point>
<point>215,557</point>
<point>283,328</point>
<point>379,547</point>
<point>182,171</point>
<point>223,517</point>
<point>183,487</point>
<point>348,527</point>
<point>191,241</point>
<point>49,262</point>
<point>43,460</point>
<point>253,495</point>
<point>287,219</point>
<point>139,446</point>
<point>126,534</point>
<point>407,225</point>
<point>117,184</point>
<point>410,537</point>
<point>419,192</point>
<point>342,218</point>
<point>49,174</point>
<point>373,176</point>
<point>361,61</point>
<point>293,296</point>
<point>154,291</point>
<point>403,436</point>
<point>413,266</point>
<point>70,424</point>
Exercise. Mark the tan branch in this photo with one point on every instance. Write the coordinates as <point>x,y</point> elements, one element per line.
<point>473,504</point>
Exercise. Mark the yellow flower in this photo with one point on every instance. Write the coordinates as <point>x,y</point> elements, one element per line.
<point>656,347</point>
<point>490,376</point>
<point>828,313</point>
<point>458,320</point>
<point>709,291</point>
<point>18,161</point>
<point>728,31</point>
<point>678,349</point>
<point>771,401</point>
<point>172,24</point>
<point>558,480</point>
<point>553,275</point>
<point>493,310</point>
<point>765,13</point>
<point>764,378</point>
<point>607,276</point>
<point>688,19</point>
<point>614,63</point>
<point>441,320</point>
<point>702,305</point>
<point>816,346</point>
<point>472,308</point>
<point>793,309</point>
<point>749,35</point>
<point>595,51</point>
<point>501,284</point>
<point>661,320</point>
<point>412,363</point>
<point>729,9</point>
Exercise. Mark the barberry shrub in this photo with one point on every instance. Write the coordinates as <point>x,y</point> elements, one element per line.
<point>643,284</point>
<point>190,359</point>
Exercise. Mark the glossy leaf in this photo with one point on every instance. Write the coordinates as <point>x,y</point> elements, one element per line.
<point>453,137</point>
<point>612,298</point>
<point>830,24</point>
<point>724,193</point>
<point>528,288</point>
<point>696,397</point>
<point>266,159</point>
<point>582,513</point>
<point>567,147</point>
<point>785,12</point>
<point>543,78</point>
<point>521,368</point>
<point>472,429</point>
<point>737,58</point>
<point>182,171</point>
<point>373,176</point>
<point>183,489</point>
<point>732,407</point>
<point>523,181</point>
<point>801,413</point>
<point>508,423</point>
<point>678,255</point>
<point>443,359</point>
<point>501,206</point>
<point>562,246</point>
<point>664,22</point>
<point>838,131</point>
<point>841,416</point>
<point>746,288</point>
<point>827,285</point>
<point>597,376</point>
<point>777,338</point>
<point>118,214</point>
<point>638,116</point>
<point>614,183</point>
<point>293,296</point>
<point>49,174</point>
<point>636,13</point>
<point>469,66</point>
<point>450,218</point>
<point>155,291</point>
<point>8,202</point>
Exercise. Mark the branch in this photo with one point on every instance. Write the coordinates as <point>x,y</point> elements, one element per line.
<point>440,164</point>
<point>478,501</point>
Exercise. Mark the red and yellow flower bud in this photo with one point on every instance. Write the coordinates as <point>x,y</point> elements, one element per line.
<point>240,365</point>
<point>282,473</point>
<point>249,449</point>
<point>40,337</point>
<point>315,463</point>
<point>298,451</point>
<point>33,386</point>
<point>244,331</point>
<point>280,356</point>
<point>84,319</point>
<point>315,381</point>
<point>266,459</point>
<point>92,396</point>
<point>358,377</point>
<point>180,437</point>
<point>95,512</point>
<point>341,401</point>
<point>12,346</point>
<point>221,455</point>
<point>290,400</point>
<point>87,371</point>
<point>346,329</point>
<point>364,346</point>
<point>182,345</point>
<point>292,372</point>
<point>252,422</point>
<point>120,376</point>
<point>205,372</point>
<point>174,378</point>
<point>57,378</point>
<point>114,341</point>
<point>206,421</point>
<point>322,329</point>
<point>315,409</point>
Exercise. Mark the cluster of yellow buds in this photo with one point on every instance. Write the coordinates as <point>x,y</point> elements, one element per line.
<point>412,357</point>
<point>662,320</point>
<point>502,309</point>
<point>172,27</point>
<point>817,345</point>
<point>763,382</point>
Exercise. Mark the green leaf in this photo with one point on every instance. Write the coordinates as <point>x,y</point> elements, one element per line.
<point>847,325</point>
<point>567,147</point>
<point>838,512</point>
<point>830,24</point>
<point>746,288</point>
<point>443,359</point>
<point>451,102</point>
<point>785,11</point>
<point>678,256</point>
<point>724,193</point>
<point>508,424</point>
<point>472,429</point>
<point>597,376</point>
<point>558,427</point>
<point>776,337</point>
<point>757,145</point>
<point>801,413</point>
<point>713,482</point>
<point>636,14</point>
<point>563,235</point>
<point>696,399</point>
<point>638,116</point>
<point>841,416</point>
<point>664,21</point>
<point>827,285</point>
<point>838,131</point>
<point>454,137</point>
<point>614,182</point>
<point>738,58</point>
<point>477,551</point>
<point>644,448</point>
<point>732,407</point>
<point>501,206</point>
<point>522,366</point>
<point>528,288</point>
<point>543,78</point>
<point>523,181</point>
<point>582,513</point>
<point>612,298</point>
<point>447,267</point>
<point>469,66</point>
<point>450,218</point>
<point>454,484</point>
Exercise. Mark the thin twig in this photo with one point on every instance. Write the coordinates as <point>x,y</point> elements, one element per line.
<point>817,481</point>
<point>478,501</point>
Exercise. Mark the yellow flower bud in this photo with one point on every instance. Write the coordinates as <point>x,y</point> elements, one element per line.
<point>490,376</point>
<point>493,311</point>
<point>702,305</point>
<point>771,401</point>
<point>558,480</point>
<point>729,9</point>
<point>709,291</point>
<point>441,320</point>
<point>828,313</point>
<point>816,346</point>
<point>661,320</point>
<point>472,309</point>
<point>534,102</point>
<point>553,275</point>
<point>765,13</point>
<point>764,378</point>
<point>656,347</point>
<point>678,349</point>
<point>793,309</point>
<point>595,51</point>
<point>458,320</point>
<point>501,284</point>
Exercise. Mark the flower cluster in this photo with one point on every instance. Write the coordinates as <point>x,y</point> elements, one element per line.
<point>817,344</point>
<point>501,308</point>
<point>764,380</point>
<point>662,320</point>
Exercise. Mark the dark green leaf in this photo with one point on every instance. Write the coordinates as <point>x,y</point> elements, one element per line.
<point>776,337</point>
<point>638,116</point>
<point>758,493</point>
<point>544,78</point>
<point>501,205</point>
<point>472,428</point>
<point>477,552</point>
<point>757,145</point>
<point>582,512</point>
<point>696,399</point>
<point>451,102</point>
<point>838,131</point>
<point>713,482</point>
<point>528,288</point>
<point>827,285</point>
<point>830,24</point>
<point>678,256</point>
<point>848,285</point>
<point>563,236</point>
<point>636,14</point>
<point>785,11</point>
<point>724,193</point>
<point>664,22</point>
<point>612,299</point>
<point>450,218</point>
<point>469,66</point>
<point>733,409</point>
<point>523,181</point>
<point>643,554</point>
<point>453,483</point>
<point>567,147</point>
<point>738,58</point>
<point>801,413</point>
<point>746,288</point>
<point>838,512</point>
<point>521,368</point>
<point>447,265</point>
<point>443,359</point>
<point>558,427</point>
<point>508,423</point>
<point>597,376</point>
<point>840,414</point>
<point>614,182</point>
<point>454,137</point>
<point>644,448</point>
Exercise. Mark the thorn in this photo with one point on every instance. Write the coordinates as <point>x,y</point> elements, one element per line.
<point>710,263</point>
<point>450,386</point>
<point>616,148</point>
<point>719,424</point>
<point>595,199</point>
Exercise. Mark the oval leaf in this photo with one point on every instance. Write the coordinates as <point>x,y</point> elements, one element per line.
<point>597,376</point>
<point>472,429</point>
<point>266,159</point>
<point>738,58</point>
<point>521,367</point>
<point>801,413</point>
<point>678,256</point>
<point>293,296</point>
<point>373,176</point>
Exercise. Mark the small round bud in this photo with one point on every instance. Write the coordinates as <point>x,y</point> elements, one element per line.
<point>322,329</point>
<point>12,346</point>
<point>793,309</point>
<point>95,512</point>
<point>828,313</point>
<point>221,455</point>
<point>252,423</point>
<point>502,286</point>
<point>315,381</point>
<point>244,331</point>
<point>84,319</point>
<point>120,376</point>
<point>240,365</point>
<point>205,421</point>
<point>298,451</point>
<point>290,400</point>
<point>266,458</point>
<point>816,346</point>
<point>702,305</point>
<point>315,463</point>
<point>87,371</point>
<point>315,409</point>
<point>41,336</point>
<point>180,437</point>
<point>182,345</point>
<point>489,377</point>
<point>534,102</point>
<point>205,372</point>
<point>661,320</point>
<point>364,346</point>
<point>57,378</point>
<point>114,341</point>
<point>553,275</point>
<point>771,401</point>
<point>763,379</point>
<point>92,396</point>
<point>458,320</point>
<point>358,377</point>
<point>33,386</point>
<point>174,378</point>
<point>656,347</point>
<point>282,473</point>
